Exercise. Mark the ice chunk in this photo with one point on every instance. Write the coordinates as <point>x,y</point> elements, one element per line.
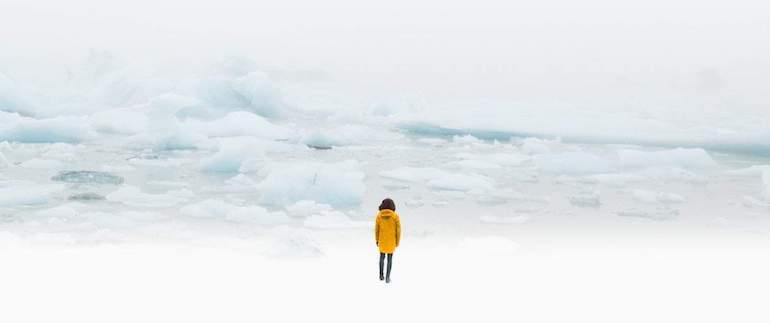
<point>413,174</point>
<point>258,92</point>
<point>37,163</point>
<point>499,196</point>
<point>680,157</point>
<point>88,196</point>
<point>474,164</point>
<point>10,99</point>
<point>467,140</point>
<point>25,193</point>
<point>656,197</point>
<point>535,146</point>
<point>62,211</point>
<point>749,201</point>
<point>658,214</point>
<point>241,182</point>
<point>336,184</point>
<point>585,199</point>
<point>573,163</point>
<point>174,139</point>
<point>239,123</point>
<point>4,162</point>
<point>60,129</point>
<point>347,135</point>
<point>133,196</point>
<point>333,220</point>
<point>214,208</point>
<point>766,182</point>
<point>754,170</point>
<point>305,208</point>
<point>441,180</point>
<point>240,154</point>
<point>516,219</point>
<point>86,176</point>
<point>462,182</point>
<point>119,121</point>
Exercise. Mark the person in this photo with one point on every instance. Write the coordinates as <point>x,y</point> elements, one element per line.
<point>387,234</point>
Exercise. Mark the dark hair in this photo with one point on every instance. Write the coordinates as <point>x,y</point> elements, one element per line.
<point>388,204</point>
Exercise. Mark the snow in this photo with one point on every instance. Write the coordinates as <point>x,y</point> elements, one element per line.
<point>288,242</point>
<point>336,184</point>
<point>489,245</point>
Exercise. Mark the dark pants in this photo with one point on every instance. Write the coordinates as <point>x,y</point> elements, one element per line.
<point>390,263</point>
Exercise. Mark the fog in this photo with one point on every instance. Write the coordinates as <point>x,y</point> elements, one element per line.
<point>496,49</point>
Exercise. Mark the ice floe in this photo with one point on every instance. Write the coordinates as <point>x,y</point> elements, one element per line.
<point>134,196</point>
<point>573,163</point>
<point>659,214</point>
<point>84,176</point>
<point>346,135</point>
<point>215,208</point>
<point>652,197</point>
<point>14,127</point>
<point>585,199</point>
<point>238,123</point>
<point>680,157</point>
<point>305,208</point>
<point>438,179</point>
<point>26,193</point>
<point>333,220</point>
<point>336,184</point>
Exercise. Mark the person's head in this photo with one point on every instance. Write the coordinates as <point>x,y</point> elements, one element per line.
<point>388,204</point>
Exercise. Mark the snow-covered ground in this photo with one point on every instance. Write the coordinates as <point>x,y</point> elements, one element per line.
<point>225,195</point>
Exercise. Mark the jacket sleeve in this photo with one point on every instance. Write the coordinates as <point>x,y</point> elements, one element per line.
<point>398,231</point>
<point>377,230</point>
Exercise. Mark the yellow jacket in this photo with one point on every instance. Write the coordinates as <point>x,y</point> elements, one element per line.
<point>387,230</point>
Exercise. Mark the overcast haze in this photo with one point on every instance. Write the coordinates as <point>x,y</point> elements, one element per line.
<point>485,48</point>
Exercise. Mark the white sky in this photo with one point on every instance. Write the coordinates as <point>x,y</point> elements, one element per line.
<point>483,47</point>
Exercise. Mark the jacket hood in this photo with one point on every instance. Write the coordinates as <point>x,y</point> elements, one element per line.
<point>387,212</point>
